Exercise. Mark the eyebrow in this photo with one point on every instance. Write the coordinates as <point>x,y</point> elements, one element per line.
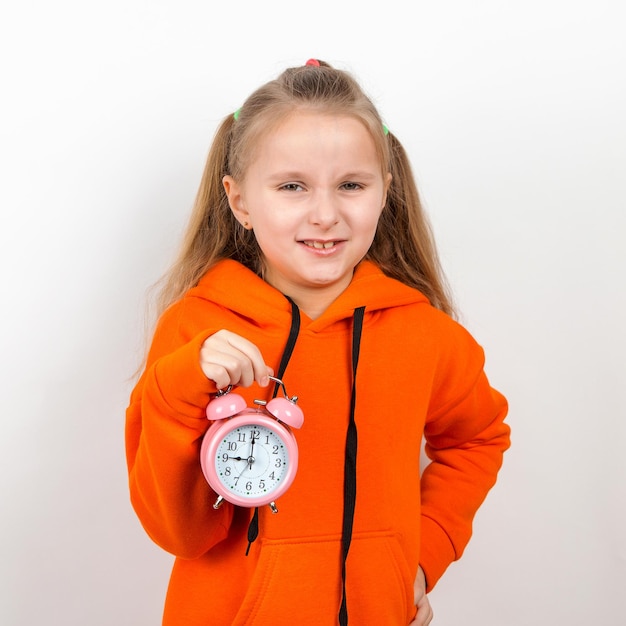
<point>361,175</point>
<point>298,175</point>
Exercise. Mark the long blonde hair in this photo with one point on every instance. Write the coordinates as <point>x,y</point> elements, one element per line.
<point>403,246</point>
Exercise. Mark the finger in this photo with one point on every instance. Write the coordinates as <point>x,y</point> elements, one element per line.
<point>254,365</point>
<point>422,604</point>
<point>229,359</point>
<point>221,375</point>
<point>226,366</point>
<point>424,613</point>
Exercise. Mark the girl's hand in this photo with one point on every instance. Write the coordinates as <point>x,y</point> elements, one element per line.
<point>424,611</point>
<point>229,359</point>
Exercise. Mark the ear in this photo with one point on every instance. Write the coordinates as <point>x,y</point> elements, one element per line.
<point>235,200</point>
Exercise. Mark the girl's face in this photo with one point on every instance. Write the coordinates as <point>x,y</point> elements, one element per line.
<point>313,195</point>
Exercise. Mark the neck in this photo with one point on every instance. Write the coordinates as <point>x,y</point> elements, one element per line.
<point>312,307</point>
<point>311,300</point>
<point>314,302</point>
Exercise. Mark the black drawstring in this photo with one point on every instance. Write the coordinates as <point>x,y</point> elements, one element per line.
<point>291,343</point>
<point>253,527</point>
<point>349,488</point>
<point>349,480</point>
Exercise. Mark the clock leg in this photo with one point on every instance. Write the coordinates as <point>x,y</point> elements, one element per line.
<point>272,506</point>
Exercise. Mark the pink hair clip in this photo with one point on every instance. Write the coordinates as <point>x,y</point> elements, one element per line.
<point>314,62</point>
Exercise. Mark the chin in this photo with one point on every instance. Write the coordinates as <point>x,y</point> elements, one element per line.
<point>329,281</point>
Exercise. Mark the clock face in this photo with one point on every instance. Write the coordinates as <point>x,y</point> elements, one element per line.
<point>252,461</point>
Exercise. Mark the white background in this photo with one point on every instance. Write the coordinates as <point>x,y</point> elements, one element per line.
<point>513,115</point>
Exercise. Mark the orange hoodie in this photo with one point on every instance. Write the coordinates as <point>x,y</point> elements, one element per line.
<point>419,374</point>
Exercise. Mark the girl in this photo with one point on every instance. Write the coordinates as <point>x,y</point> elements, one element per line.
<point>308,252</point>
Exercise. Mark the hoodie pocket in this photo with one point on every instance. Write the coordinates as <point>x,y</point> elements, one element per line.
<point>298,581</point>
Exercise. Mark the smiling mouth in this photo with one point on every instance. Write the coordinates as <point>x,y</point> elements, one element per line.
<point>319,245</point>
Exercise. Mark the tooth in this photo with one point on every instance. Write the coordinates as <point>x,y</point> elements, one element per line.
<point>318,245</point>
<point>329,244</point>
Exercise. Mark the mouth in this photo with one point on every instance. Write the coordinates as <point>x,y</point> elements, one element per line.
<point>320,245</point>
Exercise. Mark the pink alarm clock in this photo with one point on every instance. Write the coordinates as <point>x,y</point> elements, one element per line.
<point>249,455</point>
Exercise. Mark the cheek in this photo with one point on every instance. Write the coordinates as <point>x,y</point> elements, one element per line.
<point>368,224</point>
<point>274,241</point>
<point>268,230</point>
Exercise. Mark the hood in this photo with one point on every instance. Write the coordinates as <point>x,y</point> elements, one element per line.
<point>229,284</point>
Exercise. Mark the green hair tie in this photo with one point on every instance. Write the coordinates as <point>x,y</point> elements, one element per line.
<point>385,129</point>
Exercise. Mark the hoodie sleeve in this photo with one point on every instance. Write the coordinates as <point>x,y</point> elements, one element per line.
<point>165,422</point>
<point>465,440</point>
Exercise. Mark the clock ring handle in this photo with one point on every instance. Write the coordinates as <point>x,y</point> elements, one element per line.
<point>223,392</point>
<point>279,382</point>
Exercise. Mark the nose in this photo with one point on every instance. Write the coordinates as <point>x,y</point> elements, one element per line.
<point>324,210</point>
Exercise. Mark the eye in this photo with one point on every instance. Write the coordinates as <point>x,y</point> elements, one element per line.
<point>292,187</point>
<point>349,186</point>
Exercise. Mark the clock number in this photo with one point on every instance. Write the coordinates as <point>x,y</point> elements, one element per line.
<point>248,486</point>
<point>271,476</point>
<point>225,457</point>
<point>261,484</point>
<point>227,471</point>
<point>232,446</point>
<point>255,434</point>
<point>275,450</point>
<point>279,463</point>
<point>242,437</point>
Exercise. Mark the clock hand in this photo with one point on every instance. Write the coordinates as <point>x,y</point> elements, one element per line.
<point>251,457</point>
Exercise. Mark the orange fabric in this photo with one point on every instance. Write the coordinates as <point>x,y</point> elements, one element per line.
<point>420,373</point>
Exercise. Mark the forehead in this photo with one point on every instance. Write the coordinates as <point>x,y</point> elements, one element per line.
<point>312,136</point>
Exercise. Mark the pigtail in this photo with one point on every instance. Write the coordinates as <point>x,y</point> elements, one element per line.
<point>404,246</point>
<point>212,233</point>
